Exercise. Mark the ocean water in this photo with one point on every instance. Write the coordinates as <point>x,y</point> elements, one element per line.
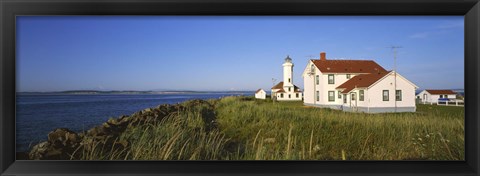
<point>37,115</point>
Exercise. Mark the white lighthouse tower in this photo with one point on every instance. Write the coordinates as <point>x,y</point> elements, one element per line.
<point>287,74</point>
<point>286,90</point>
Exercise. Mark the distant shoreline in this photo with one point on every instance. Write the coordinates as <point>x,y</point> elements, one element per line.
<point>95,92</point>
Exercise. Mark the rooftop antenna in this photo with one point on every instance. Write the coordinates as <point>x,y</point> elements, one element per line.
<point>310,56</point>
<point>394,49</point>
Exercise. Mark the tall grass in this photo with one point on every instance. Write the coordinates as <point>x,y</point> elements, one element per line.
<point>288,130</point>
<point>239,128</point>
<point>179,136</point>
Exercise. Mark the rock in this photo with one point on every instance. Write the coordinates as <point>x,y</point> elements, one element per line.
<point>147,110</point>
<point>95,131</point>
<point>60,145</point>
<point>106,125</point>
<point>124,119</point>
<point>38,151</point>
<point>62,137</point>
<point>113,121</point>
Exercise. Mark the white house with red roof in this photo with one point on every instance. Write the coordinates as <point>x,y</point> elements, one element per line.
<point>260,94</point>
<point>286,90</point>
<point>432,96</point>
<point>356,85</point>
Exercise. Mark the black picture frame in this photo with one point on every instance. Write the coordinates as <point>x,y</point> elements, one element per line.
<point>470,9</point>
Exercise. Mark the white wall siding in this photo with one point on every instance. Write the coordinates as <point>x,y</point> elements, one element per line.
<point>310,87</point>
<point>309,95</point>
<point>293,96</point>
<point>356,102</point>
<point>261,95</point>
<point>319,87</point>
<point>375,93</point>
<point>424,95</point>
<point>433,98</point>
<point>287,74</point>
<point>339,78</point>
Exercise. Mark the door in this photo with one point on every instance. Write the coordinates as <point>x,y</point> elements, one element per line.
<point>353,102</point>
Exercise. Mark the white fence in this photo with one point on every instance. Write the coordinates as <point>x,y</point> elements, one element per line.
<point>444,102</point>
<point>454,102</point>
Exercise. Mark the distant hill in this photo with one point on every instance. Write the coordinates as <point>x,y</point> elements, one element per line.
<point>459,91</point>
<point>134,92</point>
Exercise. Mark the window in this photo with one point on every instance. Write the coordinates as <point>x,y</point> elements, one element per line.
<point>288,79</point>
<point>289,95</point>
<point>348,76</point>
<point>289,89</point>
<point>339,95</point>
<point>281,95</point>
<point>297,95</point>
<point>344,98</point>
<point>446,96</point>
<point>312,68</point>
<point>331,79</point>
<point>361,94</point>
<point>385,95</point>
<point>354,96</point>
<point>331,95</point>
<point>317,80</point>
<point>398,95</point>
<point>441,96</point>
<point>318,96</point>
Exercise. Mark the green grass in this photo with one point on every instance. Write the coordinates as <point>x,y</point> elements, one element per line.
<point>248,129</point>
<point>299,132</point>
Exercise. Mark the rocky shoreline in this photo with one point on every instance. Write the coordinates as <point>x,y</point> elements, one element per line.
<point>65,144</point>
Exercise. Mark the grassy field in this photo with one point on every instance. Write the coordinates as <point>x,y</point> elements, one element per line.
<point>242,128</point>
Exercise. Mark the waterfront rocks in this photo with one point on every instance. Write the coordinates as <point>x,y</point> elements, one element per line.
<point>64,144</point>
<point>60,145</point>
<point>63,137</point>
<point>38,151</point>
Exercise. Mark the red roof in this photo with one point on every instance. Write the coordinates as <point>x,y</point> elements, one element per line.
<point>348,66</point>
<point>280,86</point>
<point>258,90</point>
<point>362,80</point>
<point>438,92</point>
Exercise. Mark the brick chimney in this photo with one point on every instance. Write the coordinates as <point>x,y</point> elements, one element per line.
<point>323,56</point>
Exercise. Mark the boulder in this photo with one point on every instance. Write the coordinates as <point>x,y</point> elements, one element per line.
<point>63,137</point>
<point>60,145</point>
<point>38,151</point>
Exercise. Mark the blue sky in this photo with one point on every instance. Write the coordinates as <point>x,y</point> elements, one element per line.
<point>214,53</point>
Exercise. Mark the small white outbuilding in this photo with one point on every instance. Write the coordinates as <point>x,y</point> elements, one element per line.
<point>432,96</point>
<point>260,94</point>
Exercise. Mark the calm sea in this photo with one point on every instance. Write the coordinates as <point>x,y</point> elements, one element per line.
<point>37,115</point>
